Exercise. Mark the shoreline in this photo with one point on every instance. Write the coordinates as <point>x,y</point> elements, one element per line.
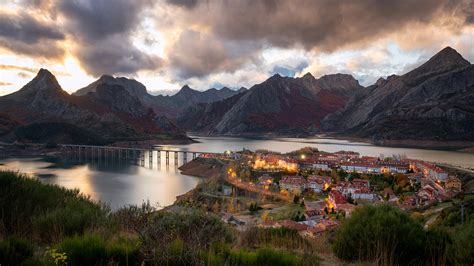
<point>459,146</point>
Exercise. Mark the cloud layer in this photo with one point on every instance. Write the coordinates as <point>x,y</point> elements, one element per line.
<point>203,41</point>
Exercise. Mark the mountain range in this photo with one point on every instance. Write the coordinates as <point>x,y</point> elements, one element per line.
<point>431,102</point>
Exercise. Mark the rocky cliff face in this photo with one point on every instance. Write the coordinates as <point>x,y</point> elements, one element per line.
<point>279,105</point>
<point>108,111</point>
<point>432,102</point>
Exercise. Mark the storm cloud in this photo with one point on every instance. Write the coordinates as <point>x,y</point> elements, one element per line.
<point>24,34</point>
<point>324,26</point>
<point>103,31</point>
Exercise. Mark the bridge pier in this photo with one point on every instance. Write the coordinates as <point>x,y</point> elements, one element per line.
<point>176,154</point>
<point>185,157</point>
<point>167,158</point>
<point>158,155</point>
<point>150,158</point>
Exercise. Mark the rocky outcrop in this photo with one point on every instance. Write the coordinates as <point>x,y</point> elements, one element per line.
<point>434,101</point>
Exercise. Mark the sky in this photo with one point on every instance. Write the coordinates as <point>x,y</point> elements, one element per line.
<point>166,44</point>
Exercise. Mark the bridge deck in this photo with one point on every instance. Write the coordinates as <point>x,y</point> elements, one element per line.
<point>134,149</point>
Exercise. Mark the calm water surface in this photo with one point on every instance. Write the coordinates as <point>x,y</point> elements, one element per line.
<point>220,144</point>
<point>122,184</point>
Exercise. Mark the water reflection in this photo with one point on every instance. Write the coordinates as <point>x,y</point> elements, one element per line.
<point>120,180</point>
<point>115,183</point>
<point>221,144</point>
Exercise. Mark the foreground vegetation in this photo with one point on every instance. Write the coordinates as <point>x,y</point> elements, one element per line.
<point>48,225</point>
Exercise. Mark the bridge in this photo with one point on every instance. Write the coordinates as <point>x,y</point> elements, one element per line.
<point>139,155</point>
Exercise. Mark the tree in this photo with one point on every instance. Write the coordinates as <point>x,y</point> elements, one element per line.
<point>296,199</point>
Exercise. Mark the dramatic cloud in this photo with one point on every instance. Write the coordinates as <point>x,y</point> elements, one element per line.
<point>21,33</point>
<point>325,24</point>
<point>197,54</point>
<point>113,55</point>
<point>232,43</point>
<point>103,31</point>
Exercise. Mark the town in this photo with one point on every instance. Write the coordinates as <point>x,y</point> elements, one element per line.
<point>313,191</point>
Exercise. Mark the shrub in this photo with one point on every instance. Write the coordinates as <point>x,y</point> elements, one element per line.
<point>124,252</point>
<point>93,249</point>
<point>221,254</point>
<point>381,234</point>
<point>72,219</point>
<point>464,244</point>
<point>88,249</point>
<point>26,204</point>
<point>15,251</point>
<point>193,231</point>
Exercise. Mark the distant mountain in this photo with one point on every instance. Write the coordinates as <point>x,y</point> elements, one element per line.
<point>169,106</point>
<point>431,102</point>
<point>187,97</point>
<point>281,105</point>
<point>42,112</point>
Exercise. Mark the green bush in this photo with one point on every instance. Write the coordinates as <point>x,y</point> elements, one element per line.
<point>84,250</point>
<point>74,218</point>
<point>221,254</point>
<point>189,232</point>
<point>124,252</point>
<point>28,206</point>
<point>381,234</point>
<point>463,247</point>
<point>16,251</point>
<point>92,249</point>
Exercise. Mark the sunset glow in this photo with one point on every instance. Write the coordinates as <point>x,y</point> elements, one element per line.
<point>170,43</point>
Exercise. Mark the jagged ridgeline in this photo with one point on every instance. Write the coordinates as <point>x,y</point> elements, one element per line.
<point>431,102</point>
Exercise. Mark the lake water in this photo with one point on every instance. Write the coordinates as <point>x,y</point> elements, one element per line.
<point>120,184</point>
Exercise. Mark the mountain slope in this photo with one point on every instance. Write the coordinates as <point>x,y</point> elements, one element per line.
<point>110,112</point>
<point>169,106</point>
<point>280,105</point>
<point>432,102</point>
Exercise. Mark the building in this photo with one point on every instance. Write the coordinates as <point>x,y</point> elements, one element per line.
<point>427,193</point>
<point>347,209</point>
<point>316,164</point>
<point>363,194</point>
<point>295,184</point>
<point>394,167</point>
<point>453,183</point>
<point>429,170</point>
<point>265,181</point>
<point>347,154</point>
<point>360,167</point>
<point>336,198</point>
<point>318,183</point>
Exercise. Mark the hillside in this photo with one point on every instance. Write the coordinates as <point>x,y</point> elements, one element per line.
<point>281,105</point>
<point>110,112</point>
<point>431,102</point>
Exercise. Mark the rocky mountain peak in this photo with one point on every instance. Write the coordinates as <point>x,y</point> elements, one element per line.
<point>448,56</point>
<point>445,60</point>
<point>132,86</point>
<point>43,81</point>
<point>339,81</point>
<point>308,76</point>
